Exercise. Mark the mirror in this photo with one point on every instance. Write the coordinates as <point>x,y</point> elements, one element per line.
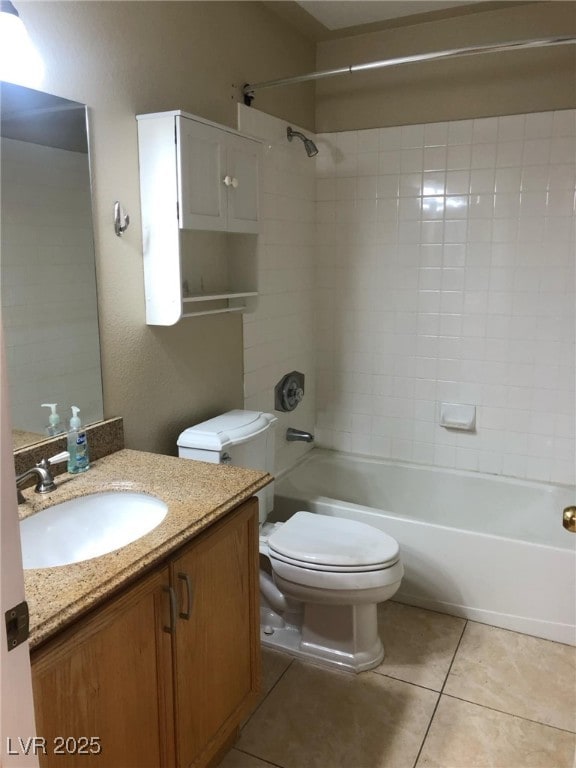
<point>47,263</point>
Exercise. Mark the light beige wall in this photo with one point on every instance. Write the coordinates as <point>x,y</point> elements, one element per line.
<point>478,86</point>
<point>125,58</point>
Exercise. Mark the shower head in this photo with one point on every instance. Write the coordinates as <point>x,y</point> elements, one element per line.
<point>309,146</point>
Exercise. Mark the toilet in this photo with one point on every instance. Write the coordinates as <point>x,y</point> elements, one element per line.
<point>321,577</point>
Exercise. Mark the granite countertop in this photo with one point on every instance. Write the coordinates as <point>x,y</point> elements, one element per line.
<point>197,494</point>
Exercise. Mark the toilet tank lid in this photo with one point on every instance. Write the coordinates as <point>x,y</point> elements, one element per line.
<point>228,429</point>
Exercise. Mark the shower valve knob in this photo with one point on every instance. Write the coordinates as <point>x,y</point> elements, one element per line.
<point>227,181</point>
<point>234,182</point>
<point>289,391</point>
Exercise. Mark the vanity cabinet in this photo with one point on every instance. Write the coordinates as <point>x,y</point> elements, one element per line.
<point>196,175</point>
<point>162,675</point>
<point>108,679</point>
<point>217,643</point>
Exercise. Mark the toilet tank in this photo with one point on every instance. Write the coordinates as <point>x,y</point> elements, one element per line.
<point>240,438</point>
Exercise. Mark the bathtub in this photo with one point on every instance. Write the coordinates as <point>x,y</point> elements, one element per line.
<point>483,547</point>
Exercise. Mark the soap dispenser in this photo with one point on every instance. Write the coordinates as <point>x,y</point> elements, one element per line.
<point>54,427</point>
<point>77,445</point>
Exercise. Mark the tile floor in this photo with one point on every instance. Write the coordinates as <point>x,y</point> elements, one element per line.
<point>450,693</point>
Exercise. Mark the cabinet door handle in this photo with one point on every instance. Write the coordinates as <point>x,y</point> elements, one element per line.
<point>231,181</point>
<point>186,579</point>
<point>172,594</point>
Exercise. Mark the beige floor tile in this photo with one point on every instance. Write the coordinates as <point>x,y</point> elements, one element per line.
<point>419,645</point>
<point>515,673</point>
<point>237,759</point>
<point>274,664</point>
<point>318,718</point>
<point>465,735</point>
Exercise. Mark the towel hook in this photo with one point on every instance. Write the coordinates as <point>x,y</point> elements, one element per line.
<point>121,219</point>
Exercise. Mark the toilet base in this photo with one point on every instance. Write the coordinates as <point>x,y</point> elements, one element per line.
<point>344,637</point>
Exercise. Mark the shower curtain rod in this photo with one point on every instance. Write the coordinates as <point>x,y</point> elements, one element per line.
<point>249,89</point>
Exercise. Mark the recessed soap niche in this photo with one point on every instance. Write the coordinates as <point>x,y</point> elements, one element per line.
<point>218,271</point>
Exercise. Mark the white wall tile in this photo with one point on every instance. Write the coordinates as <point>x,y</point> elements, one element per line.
<point>539,125</point>
<point>564,123</point>
<point>466,294</point>
<point>460,132</point>
<point>435,134</point>
<point>389,138</point>
<point>482,308</point>
<point>412,136</point>
<point>511,128</point>
<point>483,155</point>
<point>485,130</point>
<point>278,336</point>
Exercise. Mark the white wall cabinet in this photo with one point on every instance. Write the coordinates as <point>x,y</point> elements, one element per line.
<point>197,176</point>
<point>218,179</point>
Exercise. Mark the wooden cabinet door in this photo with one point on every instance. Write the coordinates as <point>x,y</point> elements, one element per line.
<point>217,654</point>
<point>202,173</point>
<point>109,676</point>
<point>243,166</point>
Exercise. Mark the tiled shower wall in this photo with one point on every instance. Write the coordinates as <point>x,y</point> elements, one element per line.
<point>445,273</point>
<point>278,336</point>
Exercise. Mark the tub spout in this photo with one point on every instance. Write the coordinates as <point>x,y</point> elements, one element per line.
<point>297,434</point>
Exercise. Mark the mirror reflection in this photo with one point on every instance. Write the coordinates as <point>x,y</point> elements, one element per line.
<point>47,266</point>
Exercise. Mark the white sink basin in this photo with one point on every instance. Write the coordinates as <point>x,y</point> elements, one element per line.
<point>88,527</point>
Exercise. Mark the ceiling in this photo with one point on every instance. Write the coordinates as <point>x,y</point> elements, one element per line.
<point>320,20</point>
<point>352,13</point>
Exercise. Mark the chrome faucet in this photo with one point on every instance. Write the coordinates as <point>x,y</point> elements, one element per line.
<point>44,484</point>
<point>297,434</point>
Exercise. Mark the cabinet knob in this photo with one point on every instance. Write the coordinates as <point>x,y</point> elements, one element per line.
<point>230,181</point>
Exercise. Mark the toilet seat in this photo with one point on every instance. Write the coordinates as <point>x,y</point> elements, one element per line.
<point>331,544</point>
<point>329,568</point>
<point>358,586</point>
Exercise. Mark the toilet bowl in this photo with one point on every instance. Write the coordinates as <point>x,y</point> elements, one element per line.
<point>320,593</point>
<point>321,578</point>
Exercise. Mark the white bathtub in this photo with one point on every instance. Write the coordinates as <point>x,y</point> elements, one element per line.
<point>483,547</point>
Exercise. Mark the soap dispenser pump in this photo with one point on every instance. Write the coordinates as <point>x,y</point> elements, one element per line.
<point>53,427</point>
<point>77,445</point>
